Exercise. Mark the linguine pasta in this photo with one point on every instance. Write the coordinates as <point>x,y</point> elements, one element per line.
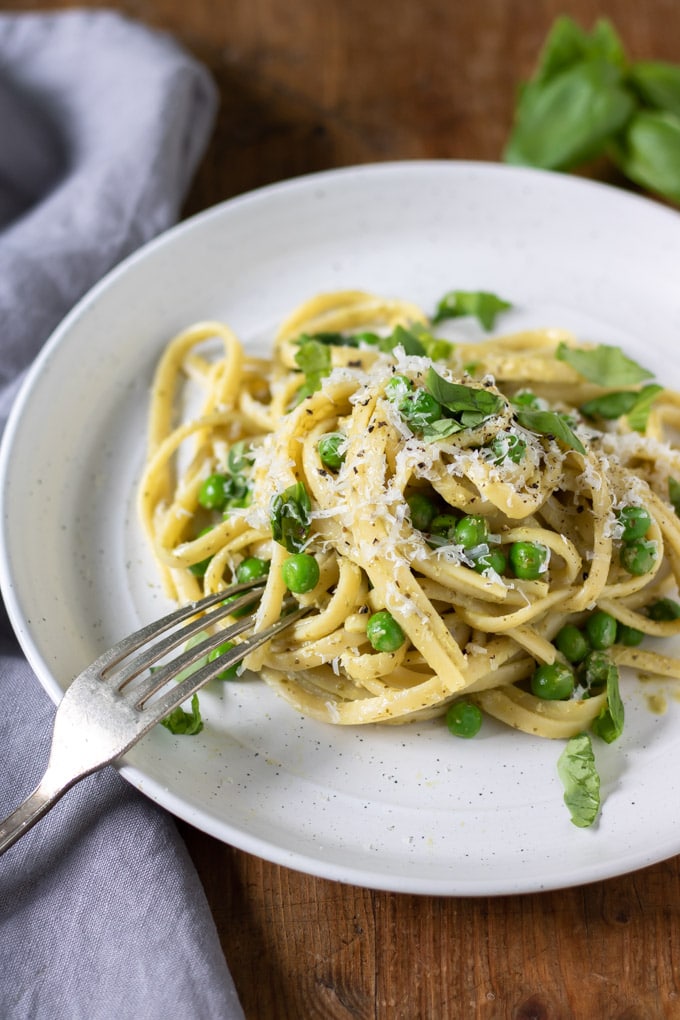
<point>476,501</point>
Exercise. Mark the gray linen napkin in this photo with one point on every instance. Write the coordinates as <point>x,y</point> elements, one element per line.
<point>102,915</point>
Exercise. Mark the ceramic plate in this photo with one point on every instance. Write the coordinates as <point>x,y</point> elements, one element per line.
<point>408,809</point>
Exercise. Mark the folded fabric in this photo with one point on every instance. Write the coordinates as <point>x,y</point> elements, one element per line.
<point>102,123</point>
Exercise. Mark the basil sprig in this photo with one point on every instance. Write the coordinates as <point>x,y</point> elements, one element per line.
<point>609,723</point>
<point>586,99</point>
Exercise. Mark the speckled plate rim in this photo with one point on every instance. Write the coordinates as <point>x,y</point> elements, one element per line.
<point>567,252</point>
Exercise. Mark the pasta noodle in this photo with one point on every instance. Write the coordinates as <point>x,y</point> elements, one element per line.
<point>476,500</point>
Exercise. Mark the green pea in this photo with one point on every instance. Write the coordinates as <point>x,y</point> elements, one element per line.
<point>383,632</point>
<point>397,387</point>
<point>629,636</point>
<point>212,494</point>
<point>464,719</point>
<point>231,672</point>
<point>300,573</point>
<point>601,629</point>
<point>638,557</point>
<point>420,409</point>
<point>251,569</point>
<point>553,681</point>
<point>594,670</point>
<point>507,446</point>
<point>528,560</point>
<point>571,642</point>
<point>199,569</point>
<point>663,609</point>
<point>495,560</point>
<point>636,522</point>
<point>471,531</point>
<point>329,450</point>
<point>526,399</point>
<point>444,525</point>
<point>422,509</point>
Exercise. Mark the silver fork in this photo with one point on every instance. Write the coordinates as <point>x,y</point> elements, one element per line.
<point>119,697</point>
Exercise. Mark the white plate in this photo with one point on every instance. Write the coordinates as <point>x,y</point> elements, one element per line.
<point>406,809</point>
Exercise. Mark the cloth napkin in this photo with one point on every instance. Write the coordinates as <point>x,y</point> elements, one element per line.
<point>102,123</point>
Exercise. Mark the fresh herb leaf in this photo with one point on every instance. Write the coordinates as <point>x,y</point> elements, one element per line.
<point>568,119</point>
<point>402,337</point>
<point>674,494</point>
<point>480,303</point>
<point>290,516</point>
<point>649,152</point>
<point>185,723</point>
<point>441,429</point>
<point>658,84</point>
<point>314,359</point>
<point>604,365</point>
<point>638,415</point>
<point>550,423</point>
<point>635,403</point>
<point>580,779</point>
<point>457,398</point>
<point>610,405</point>
<point>609,723</point>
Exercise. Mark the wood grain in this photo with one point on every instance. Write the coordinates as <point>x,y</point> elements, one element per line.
<point>317,84</point>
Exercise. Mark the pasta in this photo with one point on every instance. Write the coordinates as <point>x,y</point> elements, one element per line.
<point>453,512</point>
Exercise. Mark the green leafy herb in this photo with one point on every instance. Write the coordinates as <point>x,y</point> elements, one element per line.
<point>314,359</point>
<point>649,152</point>
<point>580,779</point>
<point>480,303</point>
<point>635,403</point>
<point>604,365</point>
<point>290,517</point>
<point>609,723</point>
<point>566,120</point>
<point>638,415</point>
<point>658,84</point>
<point>586,99</point>
<point>185,723</point>
<point>674,494</point>
<point>460,399</point>
<point>402,337</point>
<point>550,423</point>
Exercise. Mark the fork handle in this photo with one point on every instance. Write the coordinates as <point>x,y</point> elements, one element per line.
<point>33,808</point>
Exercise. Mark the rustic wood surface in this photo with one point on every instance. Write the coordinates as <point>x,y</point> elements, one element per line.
<point>313,84</point>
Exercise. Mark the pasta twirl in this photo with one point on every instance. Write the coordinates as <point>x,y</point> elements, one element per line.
<point>466,508</point>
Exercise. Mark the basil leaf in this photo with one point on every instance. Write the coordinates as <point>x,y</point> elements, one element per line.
<point>635,403</point>
<point>674,494</point>
<point>314,359</point>
<point>639,412</point>
<point>441,429</point>
<point>609,723</point>
<point>604,365</point>
<point>649,152</point>
<point>186,723</point>
<point>657,83</point>
<point>550,423</point>
<point>401,337</point>
<point>580,779</point>
<point>565,45</point>
<point>457,398</point>
<point>484,305</point>
<point>290,517</point>
<point>570,118</point>
<point>610,405</point>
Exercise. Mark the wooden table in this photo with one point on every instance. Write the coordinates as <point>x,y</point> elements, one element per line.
<point>312,84</point>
